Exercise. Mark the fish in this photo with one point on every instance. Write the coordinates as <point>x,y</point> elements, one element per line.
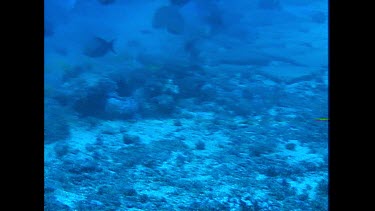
<point>169,18</point>
<point>98,47</point>
<point>191,47</point>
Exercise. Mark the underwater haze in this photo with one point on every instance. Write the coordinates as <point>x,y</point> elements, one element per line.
<point>186,105</point>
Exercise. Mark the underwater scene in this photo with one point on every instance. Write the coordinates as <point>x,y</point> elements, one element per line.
<point>186,105</point>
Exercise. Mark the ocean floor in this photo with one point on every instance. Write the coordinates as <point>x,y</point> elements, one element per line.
<point>196,161</point>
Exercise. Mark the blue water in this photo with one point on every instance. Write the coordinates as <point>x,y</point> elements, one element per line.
<point>186,105</point>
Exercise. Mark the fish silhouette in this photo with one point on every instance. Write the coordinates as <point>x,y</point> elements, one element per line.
<point>98,47</point>
<point>169,18</point>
